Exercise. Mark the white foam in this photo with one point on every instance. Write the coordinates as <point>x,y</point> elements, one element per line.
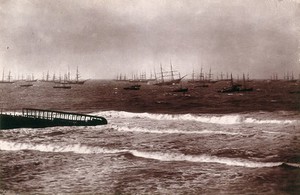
<point>76,148</point>
<point>168,131</point>
<point>256,121</point>
<point>225,119</point>
<point>215,119</point>
<point>81,149</point>
<point>204,159</point>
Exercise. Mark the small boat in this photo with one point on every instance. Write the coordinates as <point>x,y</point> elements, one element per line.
<point>38,118</point>
<point>181,89</point>
<point>77,82</point>
<point>26,85</point>
<point>231,89</point>
<point>63,86</point>
<point>294,92</point>
<point>133,87</point>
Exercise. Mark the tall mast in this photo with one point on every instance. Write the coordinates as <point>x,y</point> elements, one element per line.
<point>9,76</point>
<point>201,74</point>
<point>209,75</point>
<point>193,75</point>
<point>162,74</point>
<point>3,75</point>
<point>172,73</point>
<point>68,75</point>
<point>77,74</point>
<point>244,80</point>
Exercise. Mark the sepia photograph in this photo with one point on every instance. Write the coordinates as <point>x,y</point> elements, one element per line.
<point>149,97</point>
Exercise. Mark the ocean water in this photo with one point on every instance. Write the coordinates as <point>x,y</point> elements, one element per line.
<point>152,153</point>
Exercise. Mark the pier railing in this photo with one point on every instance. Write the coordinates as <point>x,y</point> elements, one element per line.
<point>51,115</point>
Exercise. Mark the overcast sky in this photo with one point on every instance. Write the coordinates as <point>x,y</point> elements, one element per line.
<point>107,37</point>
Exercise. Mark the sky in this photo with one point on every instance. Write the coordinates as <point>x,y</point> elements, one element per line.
<point>104,38</point>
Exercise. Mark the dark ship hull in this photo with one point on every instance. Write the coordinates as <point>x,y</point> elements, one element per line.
<point>133,87</point>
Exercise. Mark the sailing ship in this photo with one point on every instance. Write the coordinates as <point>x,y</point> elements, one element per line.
<point>62,84</point>
<point>8,81</point>
<point>76,81</point>
<point>236,87</point>
<point>28,82</point>
<point>142,78</point>
<point>168,77</point>
<point>47,80</point>
<point>121,78</point>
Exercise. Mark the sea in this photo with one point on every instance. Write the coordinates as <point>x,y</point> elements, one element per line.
<point>146,152</point>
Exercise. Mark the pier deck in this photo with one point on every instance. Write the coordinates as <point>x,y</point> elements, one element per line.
<point>39,118</point>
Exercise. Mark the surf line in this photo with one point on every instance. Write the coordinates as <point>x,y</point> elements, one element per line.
<point>168,131</point>
<point>160,156</point>
<point>229,119</point>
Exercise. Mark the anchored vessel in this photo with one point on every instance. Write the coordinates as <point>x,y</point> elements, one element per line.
<point>236,87</point>
<point>38,118</point>
<point>133,87</point>
<point>168,77</point>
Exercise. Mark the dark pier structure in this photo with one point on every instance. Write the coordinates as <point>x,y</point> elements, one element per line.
<point>38,118</point>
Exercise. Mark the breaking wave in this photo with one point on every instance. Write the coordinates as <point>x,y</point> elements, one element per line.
<point>169,131</point>
<point>204,159</point>
<point>216,119</point>
<point>11,146</point>
<point>76,148</point>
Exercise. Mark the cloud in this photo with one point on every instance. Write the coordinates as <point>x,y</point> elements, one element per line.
<point>130,35</point>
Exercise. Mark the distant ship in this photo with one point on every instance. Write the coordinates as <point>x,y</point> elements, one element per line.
<point>8,81</point>
<point>133,87</point>
<point>121,78</point>
<point>66,80</point>
<point>236,87</point>
<point>203,80</point>
<point>37,118</point>
<point>62,86</point>
<point>181,89</point>
<point>76,81</point>
<point>26,85</point>
<point>168,77</point>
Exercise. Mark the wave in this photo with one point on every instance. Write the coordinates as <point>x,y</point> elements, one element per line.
<point>75,148</point>
<point>216,119</point>
<point>205,159</point>
<point>169,131</point>
<point>81,149</point>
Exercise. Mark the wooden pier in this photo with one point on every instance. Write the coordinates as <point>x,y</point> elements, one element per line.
<point>39,118</point>
<point>51,115</point>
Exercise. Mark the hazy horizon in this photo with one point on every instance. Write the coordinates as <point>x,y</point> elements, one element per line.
<point>106,38</point>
